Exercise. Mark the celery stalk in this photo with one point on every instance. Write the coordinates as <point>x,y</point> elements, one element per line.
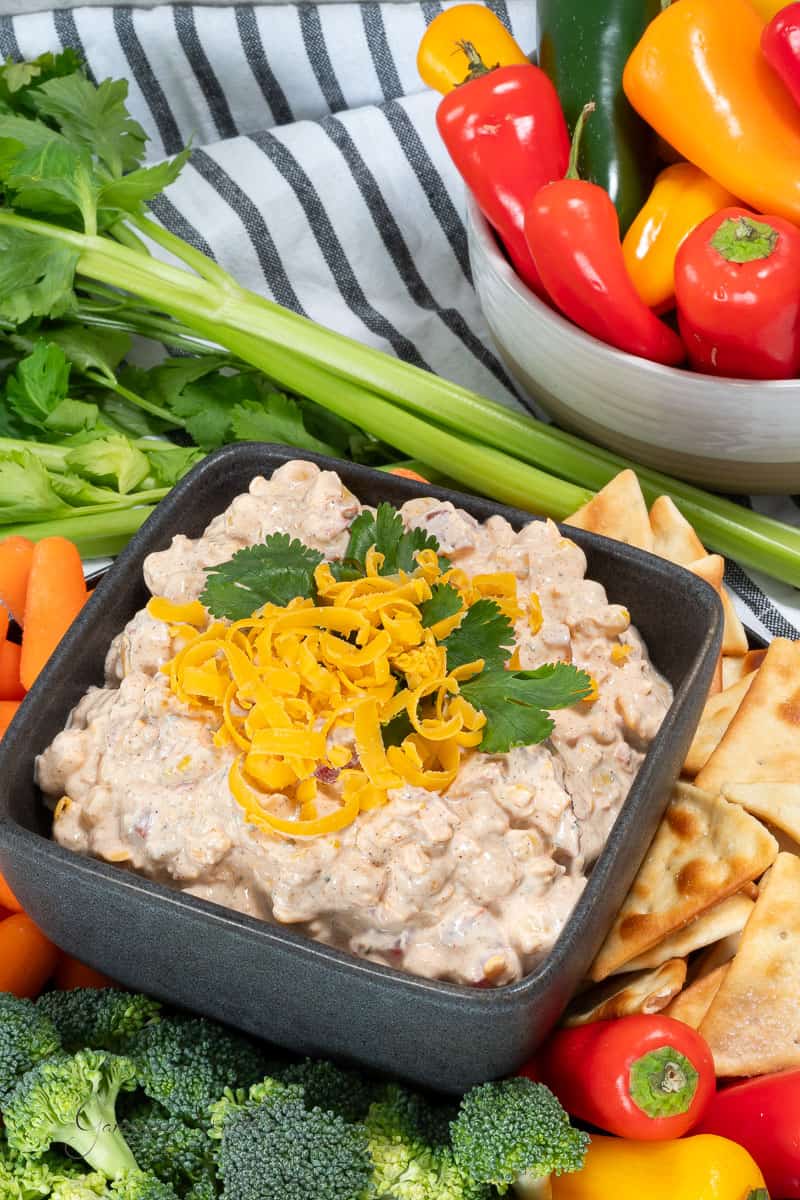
<point>95,536</point>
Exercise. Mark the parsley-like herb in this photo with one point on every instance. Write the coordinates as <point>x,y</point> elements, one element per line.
<point>445,602</point>
<point>516,703</point>
<point>273,572</point>
<point>484,633</point>
<point>394,732</point>
<point>384,530</point>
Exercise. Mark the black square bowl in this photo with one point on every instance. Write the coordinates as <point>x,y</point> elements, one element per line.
<point>268,979</point>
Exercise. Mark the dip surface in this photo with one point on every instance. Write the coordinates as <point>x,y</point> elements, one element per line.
<point>473,885</point>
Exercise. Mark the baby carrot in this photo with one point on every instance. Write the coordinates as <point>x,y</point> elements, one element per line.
<point>4,618</point>
<point>10,686</point>
<point>7,898</point>
<point>404,473</point>
<point>56,593</point>
<point>15,565</point>
<point>71,974</point>
<point>8,709</point>
<point>27,957</point>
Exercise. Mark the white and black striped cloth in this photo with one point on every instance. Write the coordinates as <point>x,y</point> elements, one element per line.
<point>317,174</point>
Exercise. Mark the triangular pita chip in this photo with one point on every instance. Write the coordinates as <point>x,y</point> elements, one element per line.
<point>702,852</point>
<point>694,1001</point>
<point>730,916</point>
<point>777,803</point>
<point>643,992</point>
<point>717,716</point>
<point>617,511</point>
<point>673,536</point>
<point>735,667</point>
<point>734,637</point>
<point>711,568</point>
<point>762,742</point>
<point>753,1024</point>
<point>715,956</point>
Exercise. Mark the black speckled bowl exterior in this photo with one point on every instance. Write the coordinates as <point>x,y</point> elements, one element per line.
<point>268,979</point>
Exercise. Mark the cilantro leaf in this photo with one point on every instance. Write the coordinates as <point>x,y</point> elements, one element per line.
<point>276,418</point>
<point>201,398</point>
<point>36,275</point>
<point>445,602</point>
<point>95,118</point>
<point>516,703</point>
<point>394,732</point>
<point>39,383</point>
<point>273,572</point>
<point>384,530</point>
<point>484,633</point>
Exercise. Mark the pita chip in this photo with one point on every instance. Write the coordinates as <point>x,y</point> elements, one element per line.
<point>673,536</point>
<point>735,667</point>
<point>617,511</point>
<point>717,716</point>
<point>762,742</point>
<point>623,996</point>
<point>692,1004</point>
<point>703,852</point>
<point>777,803</point>
<point>753,1023</point>
<point>734,637</point>
<point>715,956</point>
<point>728,917</point>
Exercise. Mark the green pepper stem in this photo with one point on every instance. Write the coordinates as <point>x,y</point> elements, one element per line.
<point>575,148</point>
<point>476,67</point>
<point>743,240</point>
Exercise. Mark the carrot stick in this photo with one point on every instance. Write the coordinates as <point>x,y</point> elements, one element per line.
<point>7,898</point>
<point>4,619</point>
<point>27,957</point>
<point>15,565</point>
<point>8,710</point>
<point>10,685</point>
<point>71,974</point>
<point>404,473</point>
<point>56,592</point>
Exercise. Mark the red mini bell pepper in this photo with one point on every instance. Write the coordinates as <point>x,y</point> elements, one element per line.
<point>572,231</point>
<point>763,1115</point>
<point>506,134</point>
<point>643,1077</point>
<point>737,286</point>
<point>780,45</point>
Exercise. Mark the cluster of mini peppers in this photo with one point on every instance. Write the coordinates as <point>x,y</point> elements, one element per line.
<point>649,1081</point>
<point>700,261</point>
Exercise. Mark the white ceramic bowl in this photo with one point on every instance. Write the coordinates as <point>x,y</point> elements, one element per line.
<point>730,435</point>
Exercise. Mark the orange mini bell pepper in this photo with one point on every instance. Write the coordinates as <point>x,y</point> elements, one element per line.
<point>699,78</point>
<point>682,197</point>
<point>463,42</point>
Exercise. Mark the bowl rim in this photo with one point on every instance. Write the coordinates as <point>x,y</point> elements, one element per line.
<point>479,228</point>
<point>285,938</point>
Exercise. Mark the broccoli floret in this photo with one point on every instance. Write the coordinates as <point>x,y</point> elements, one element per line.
<point>71,1100</point>
<point>81,1187</point>
<point>27,1036</point>
<point>185,1064</point>
<point>97,1018</point>
<point>332,1088</point>
<point>515,1132</point>
<point>410,1149</point>
<point>52,1175</point>
<point>141,1185</point>
<point>278,1149</point>
<point>179,1154</point>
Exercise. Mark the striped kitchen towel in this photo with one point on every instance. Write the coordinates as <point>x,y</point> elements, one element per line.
<point>317,175</point>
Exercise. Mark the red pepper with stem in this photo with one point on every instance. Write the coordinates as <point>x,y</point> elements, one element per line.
<point>506,133</point>
<point>737,286</point>
<point>780,45</point>
<point>644,1077</point>
<point>763,1115</point>
<point>572,231</point>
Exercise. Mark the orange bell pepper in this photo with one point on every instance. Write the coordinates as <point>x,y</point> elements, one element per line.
<point>699,78</point>
<point>682,197</point>
<point>463,42</point>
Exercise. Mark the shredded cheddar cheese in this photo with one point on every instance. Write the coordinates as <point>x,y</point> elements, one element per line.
<point>303,691</point>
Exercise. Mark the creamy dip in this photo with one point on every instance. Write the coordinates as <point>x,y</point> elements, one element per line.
<point>473,885</point>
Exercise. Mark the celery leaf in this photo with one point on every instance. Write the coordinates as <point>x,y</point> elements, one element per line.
<point>110,459</point>
<point>95,117</point>
<point>277,418</point>
<point>39,384</point>
<point>132,191</point>
<point>36,275</point>
<point>26,493</point>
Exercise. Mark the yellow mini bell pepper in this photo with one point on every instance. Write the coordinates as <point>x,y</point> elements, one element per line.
<point>682,197</point>
<point>698,77</point>
<point>704,1167</point>
<point>463,42</point>
<point>767,9</point>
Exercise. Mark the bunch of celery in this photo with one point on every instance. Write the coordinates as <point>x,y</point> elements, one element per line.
<point>71,231</point>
